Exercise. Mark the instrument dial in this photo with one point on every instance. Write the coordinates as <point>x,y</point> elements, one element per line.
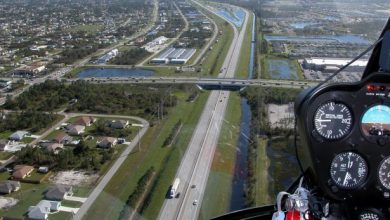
<point>333,120</point>
<point>348,170</point>
<point>384,173</point>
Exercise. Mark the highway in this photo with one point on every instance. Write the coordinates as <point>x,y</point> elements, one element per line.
<point>201,81</point>
<point>195,165</point>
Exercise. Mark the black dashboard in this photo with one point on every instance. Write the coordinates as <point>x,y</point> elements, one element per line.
<point>345,129</point>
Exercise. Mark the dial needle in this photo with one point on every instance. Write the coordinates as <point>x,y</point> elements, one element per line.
<point>324,120</point>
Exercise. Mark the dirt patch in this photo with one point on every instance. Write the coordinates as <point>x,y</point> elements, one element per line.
<point>74,178</point>
<point>281,116</point>
<point>7,202</point>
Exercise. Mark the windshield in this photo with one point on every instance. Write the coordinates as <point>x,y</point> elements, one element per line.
<point>162,109</point>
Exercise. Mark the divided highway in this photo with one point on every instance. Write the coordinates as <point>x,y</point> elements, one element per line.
<point>195,165</point>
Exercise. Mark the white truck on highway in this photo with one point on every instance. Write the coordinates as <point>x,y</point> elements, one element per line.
<point>174,187</point>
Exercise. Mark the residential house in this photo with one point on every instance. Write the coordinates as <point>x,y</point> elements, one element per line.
<point>43,209</point>
<point>85,121</point>
<point>75,129</point>
<point>107,142</point>
<point>59,192</point>
<point>53,147</point>
<point>9,186</point>
<point>21,171</point>
<point>119,124</point>
<point>62,138</point>
<point>18,135</point>
<point>5,145</point>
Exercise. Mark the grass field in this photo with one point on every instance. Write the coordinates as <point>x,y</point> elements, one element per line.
<point>245,54</point>
<point>219,186</point>
<point>262,164</point>
<point>111,201</point>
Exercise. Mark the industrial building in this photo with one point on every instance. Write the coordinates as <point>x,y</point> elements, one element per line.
<point>330,64</point>
<point>174,56</point>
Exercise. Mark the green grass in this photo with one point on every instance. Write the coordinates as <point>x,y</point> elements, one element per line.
<point>111,201</point>
<point>28,195</point>
<point>5,155</point>
<point>222,47</point>
<point>72,204</point>
<point>219,185</point>
<point>60,216</point>
<point>81,191</point>
<point>299,70</point>
<point>35,176</point>
<point>27,140</point>
<point>245,54</point>
<point>5,134</point>
<point>262,163</point>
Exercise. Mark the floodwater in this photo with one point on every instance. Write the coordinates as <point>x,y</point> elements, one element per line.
<point>114,72</point>
<point>302,24</point>
<point>282,69</point>
<point>346,39</point>
<point>237,18</point>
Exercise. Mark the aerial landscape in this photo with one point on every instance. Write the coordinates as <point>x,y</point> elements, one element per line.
<point>162,109</point>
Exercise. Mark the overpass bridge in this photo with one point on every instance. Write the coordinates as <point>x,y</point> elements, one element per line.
<point>203,83</point>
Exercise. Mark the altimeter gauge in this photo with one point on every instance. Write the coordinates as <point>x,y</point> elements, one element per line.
<point>333,120</point>
<point>348,170</point>
<point>384,173</point>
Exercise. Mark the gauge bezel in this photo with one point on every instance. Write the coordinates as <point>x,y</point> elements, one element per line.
<point>378,175</point>
<point>372,139</point>
<point>350,126</point>
<point>361,183</point>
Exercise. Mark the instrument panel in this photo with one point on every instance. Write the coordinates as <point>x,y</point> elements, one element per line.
<point>345,129</point>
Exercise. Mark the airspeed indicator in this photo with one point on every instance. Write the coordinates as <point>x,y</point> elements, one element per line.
<point>333,120</point>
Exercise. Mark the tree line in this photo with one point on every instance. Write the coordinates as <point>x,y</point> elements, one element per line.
<point>53,95</point>
<point>30,120</point>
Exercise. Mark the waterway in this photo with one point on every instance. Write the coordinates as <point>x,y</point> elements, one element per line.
<point>114,72</point>
<point>302,24</point>
<point>346,39</point>
<point>240,176</point>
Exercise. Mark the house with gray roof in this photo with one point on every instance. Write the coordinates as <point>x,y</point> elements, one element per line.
<point>119,124</point>
<point>43,209</point>
<point>18,135</point>
<point>9,186</point>
<point>59,192</point>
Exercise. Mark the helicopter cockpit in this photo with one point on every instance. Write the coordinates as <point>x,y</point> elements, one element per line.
<point>344,131</point>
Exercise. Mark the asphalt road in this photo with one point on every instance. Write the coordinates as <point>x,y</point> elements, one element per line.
<point>195,165</point>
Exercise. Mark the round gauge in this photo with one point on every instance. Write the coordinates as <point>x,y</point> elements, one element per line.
<point>348,170</point>
<point>376,121</point>
<point>371,214</point>
<point>384,173</point>
<point>333,120</point>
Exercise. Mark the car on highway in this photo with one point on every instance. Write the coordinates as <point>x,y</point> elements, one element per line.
<point>195,202</point>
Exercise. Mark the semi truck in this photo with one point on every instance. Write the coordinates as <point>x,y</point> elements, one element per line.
<point>174,188</point>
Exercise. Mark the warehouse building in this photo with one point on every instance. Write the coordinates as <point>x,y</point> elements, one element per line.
<point>174,56</point>
<point>330,63</point>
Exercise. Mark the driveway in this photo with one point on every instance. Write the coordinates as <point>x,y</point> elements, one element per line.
<point>76,199</point>
<point>68,209</point>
